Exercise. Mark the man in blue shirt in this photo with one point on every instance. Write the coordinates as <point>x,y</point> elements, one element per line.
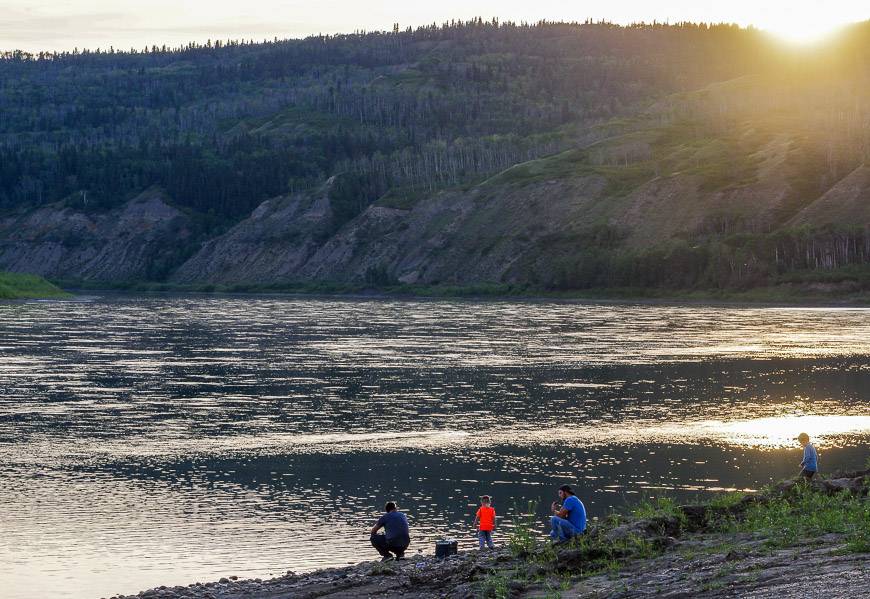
<point>810,463</point>
<point>396,537</point>
<point>569,519</point>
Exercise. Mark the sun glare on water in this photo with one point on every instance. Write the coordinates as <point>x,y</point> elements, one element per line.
<point>782,431</point>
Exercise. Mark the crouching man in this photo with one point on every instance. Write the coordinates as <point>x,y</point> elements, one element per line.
<point>569,519</point>
<point>396,537</point>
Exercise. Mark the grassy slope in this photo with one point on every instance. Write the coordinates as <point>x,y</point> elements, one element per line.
<point>628,553</point>
<point>24,286</point>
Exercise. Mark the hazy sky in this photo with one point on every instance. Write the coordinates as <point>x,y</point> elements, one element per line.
<point>64,24</point>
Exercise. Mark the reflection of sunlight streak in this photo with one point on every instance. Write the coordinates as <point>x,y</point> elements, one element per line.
<point>228,445</point>
<point>760,433</point>
<point>781,431</point>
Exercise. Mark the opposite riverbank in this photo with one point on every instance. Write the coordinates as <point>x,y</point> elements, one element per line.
<point>791,540</point>
<point>801,294</point>
<point>26,286</point>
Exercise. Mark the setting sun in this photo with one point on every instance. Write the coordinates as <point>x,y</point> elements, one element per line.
<point>804,27</point>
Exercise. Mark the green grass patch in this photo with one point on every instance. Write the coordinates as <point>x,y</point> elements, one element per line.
<point>726,500</point>
<point>27,286</point>
<point>657,508</point>
<point>495,586</point>
<point>403,198</point>
<point>792,518</point>
<point>559,166</point>
<point>718,160</point>
<point>574,163</point>
<point>300,116</point>
<point>802,514</point>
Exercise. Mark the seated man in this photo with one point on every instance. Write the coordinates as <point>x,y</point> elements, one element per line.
<point>568,520</point>
<point>396,537</point>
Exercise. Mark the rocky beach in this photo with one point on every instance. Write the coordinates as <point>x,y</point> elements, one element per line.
<point>788,541</point>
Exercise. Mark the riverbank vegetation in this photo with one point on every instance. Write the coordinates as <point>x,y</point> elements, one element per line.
<point>817,289</point>
<point>26,286</point>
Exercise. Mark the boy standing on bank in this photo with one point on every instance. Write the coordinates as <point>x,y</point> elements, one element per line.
<point>810,463</point>
<point>486,517</point>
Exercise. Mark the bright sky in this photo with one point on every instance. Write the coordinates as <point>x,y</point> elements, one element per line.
<point>65,24</point>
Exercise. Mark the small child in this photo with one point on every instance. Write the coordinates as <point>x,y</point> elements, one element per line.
<point>810,463</point>
<point>486,516</point>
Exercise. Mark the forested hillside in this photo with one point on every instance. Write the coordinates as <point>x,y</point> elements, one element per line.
<point>225,126</point>
<point>374,157</point>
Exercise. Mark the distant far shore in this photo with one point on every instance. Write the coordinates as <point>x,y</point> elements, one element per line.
<point>786,294</point>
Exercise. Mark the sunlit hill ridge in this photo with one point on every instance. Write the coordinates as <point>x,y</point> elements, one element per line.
<point>554,156</point>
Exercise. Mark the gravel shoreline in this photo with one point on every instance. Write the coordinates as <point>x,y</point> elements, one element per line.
<point>669,556</point>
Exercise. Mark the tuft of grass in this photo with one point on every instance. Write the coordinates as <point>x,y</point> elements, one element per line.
<point>658,507</point>
<point>554,591</point>
<point>726,500</point>
<point>382,569</point>
<point>495,586</point>
<point>663,509</point>
<point>713,585</point>
<point>638,547</point>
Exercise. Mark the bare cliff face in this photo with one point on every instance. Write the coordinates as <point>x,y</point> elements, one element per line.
<point>136,242</point>
<point>457,238</point>
<point>272,244</point>
<point>485,235</point>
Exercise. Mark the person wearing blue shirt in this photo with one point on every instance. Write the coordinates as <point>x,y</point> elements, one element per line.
<point>396,537</point>
<point>569,519</point>
<point>810,463</point>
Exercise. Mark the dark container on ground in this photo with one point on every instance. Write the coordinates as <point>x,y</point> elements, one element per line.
<point>446,547</point>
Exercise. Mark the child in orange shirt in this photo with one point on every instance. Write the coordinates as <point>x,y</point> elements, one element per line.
<point>486,516</point>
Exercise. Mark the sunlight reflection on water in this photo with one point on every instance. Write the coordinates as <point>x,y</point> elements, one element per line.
<point>774,432</point>
<point>164,440</point>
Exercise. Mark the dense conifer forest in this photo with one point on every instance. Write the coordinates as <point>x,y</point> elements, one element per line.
<point>223,126</point>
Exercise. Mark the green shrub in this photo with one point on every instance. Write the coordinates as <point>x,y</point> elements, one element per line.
<point>522,540</point>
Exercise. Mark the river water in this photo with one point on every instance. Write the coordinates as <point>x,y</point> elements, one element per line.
<point>174,439</point>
